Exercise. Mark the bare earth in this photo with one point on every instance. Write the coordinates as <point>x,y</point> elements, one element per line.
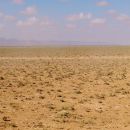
<point>65,88</point>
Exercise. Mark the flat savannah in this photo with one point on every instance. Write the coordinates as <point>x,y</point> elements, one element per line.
<point>64,64</point>
<point>65,88</point>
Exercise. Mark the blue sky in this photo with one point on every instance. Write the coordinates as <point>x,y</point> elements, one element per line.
<point>66,20</point>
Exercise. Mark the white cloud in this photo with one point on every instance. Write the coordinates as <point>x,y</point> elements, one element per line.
<point>46,22</point>
<point>103,3</point>
<point>112,12</point>
<point>98,21</point>
<point>71,26</point>
<point>1,27</point>
<point>29,22</point>
<point>1,14</point>
<point>18,1</point>
<point>35,22</point>
<point>80,16</point>
<point>9,18</point>
<point>31,10</point>
<point>123,17</point>
<point>119,16</point>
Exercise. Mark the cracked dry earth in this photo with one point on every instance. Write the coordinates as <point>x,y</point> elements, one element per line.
<point>77,94</point>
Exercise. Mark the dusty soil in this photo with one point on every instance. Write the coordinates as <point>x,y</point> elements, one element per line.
<point>68,89</point>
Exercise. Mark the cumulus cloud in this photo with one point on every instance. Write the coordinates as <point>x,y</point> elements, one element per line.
<point>103,3</point>
<point>1,14</point>
<point>98,21</point>
<point>119,16</point>
<point>6,17</point>
<point>1,27</point>
<point>35,22</point>
<point>123,17</point>
<point>10,18</point>
<point>46,23</point>
<point>112,13</point>
<point>28,22</point>
<point>80,16</point>
<point>31,10</point>
<point>71,26</point>
<point>18,1</point>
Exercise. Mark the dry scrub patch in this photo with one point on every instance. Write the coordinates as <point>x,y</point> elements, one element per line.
<point>55,94</point>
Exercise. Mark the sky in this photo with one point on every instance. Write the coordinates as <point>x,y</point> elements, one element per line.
<point>106,21</point>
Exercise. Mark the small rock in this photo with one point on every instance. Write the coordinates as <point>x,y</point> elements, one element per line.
<point>63,113</point>
<point>128,84</point>
<point>14,125</point>
<point>1,78</point>
<point>78,92</point>
<point>5,118</point>
<point>41,97</point>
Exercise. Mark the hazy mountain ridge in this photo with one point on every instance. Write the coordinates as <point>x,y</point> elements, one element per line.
<point>16,42</point>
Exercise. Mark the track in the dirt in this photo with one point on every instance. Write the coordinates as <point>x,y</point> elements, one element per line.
<point>65,58</point>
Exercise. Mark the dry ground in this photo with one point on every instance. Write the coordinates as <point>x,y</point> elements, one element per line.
<point>72,88</point>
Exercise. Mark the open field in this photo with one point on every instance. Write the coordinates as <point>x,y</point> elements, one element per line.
<point>65,88</point>
<point>71,51</point>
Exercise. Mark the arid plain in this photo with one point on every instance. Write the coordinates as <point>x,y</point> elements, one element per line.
<point>65,88</point>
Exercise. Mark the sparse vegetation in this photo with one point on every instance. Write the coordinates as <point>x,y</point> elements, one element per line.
<point>70,94</point>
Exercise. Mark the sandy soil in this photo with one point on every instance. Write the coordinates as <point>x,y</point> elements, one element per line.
<point>65,58</point>
<point>64,92</point>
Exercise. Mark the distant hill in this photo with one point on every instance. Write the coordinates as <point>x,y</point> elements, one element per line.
<point>16,42</point>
